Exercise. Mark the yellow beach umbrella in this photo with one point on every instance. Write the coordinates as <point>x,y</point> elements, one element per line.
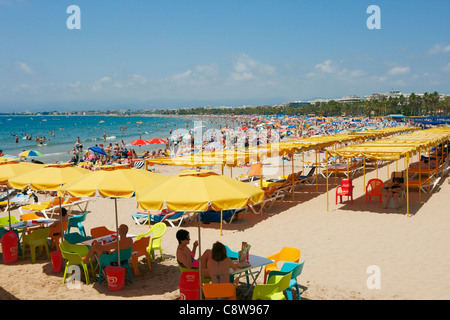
<point>198,192</point>
<point>11,168</point>
<point>111,181</point>
<point>48,178</point>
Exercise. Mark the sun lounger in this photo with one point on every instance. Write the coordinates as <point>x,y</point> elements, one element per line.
<point>155,216</point>
<point>254,172</point>
<point>426,184</point>
<point>17,201</point>
<point>342,168</point>
<point>214,216</point>
<point>271,195</point>
<point>308,179</point>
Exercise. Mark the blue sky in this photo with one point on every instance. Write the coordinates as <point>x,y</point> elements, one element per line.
<point>177,53</point>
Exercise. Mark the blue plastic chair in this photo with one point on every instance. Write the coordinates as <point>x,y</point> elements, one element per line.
<point>109,259</point>
<point>75,237</point>
<point>234,255</point>
<point>296,269</point>
<point>75,222</point>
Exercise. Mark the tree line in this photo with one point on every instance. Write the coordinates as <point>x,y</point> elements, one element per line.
<point>428,104</point>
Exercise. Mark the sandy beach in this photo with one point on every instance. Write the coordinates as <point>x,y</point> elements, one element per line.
<point>339,246</point>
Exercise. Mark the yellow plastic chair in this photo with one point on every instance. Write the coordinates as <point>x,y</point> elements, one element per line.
<point>37,238</point>
<point>158,230</point>
<point>140,249</point>
<point>274,289</point>
<point>73,254</point>
<point>286,254</point>
<point>216,291</point>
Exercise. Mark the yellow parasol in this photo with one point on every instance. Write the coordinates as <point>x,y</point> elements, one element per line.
<point>10,169</point>
<point>48,178</point>
<point>198,192</point>
<point>111,181</point>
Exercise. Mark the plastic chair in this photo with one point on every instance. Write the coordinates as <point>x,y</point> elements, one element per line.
<point>73,254</point>
<point>374,188</point>
<point>222,291</point>
<point>76,222</point>
<point>100,232</point>
<point>274,289</point>
<point>37,238</point>
<point>345,189</point>
<point>75,237</point>
<point>204,279</point>
<point>286,254</point>
<point>158,230</point>
<point>140,249</point>
<point>109,259</point>
<point>55,234</point>
<point>296,270</point>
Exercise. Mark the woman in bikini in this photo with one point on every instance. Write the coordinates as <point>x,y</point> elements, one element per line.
<point>215,263</point>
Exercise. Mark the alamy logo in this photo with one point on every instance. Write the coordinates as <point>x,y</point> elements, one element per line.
<point>374,21</point>
<point>74,20</point>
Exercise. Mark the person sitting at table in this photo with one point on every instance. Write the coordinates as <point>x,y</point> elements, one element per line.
<point>218,264</point>
<point>58,218</point>
<point>109,248</point>
<point>214,263</point>
<point>395,190</point>
<point>186,257</point>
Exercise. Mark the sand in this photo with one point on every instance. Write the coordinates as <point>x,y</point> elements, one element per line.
<point>341,247</point>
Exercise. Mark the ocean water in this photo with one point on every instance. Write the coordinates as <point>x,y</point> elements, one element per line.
<point>61,132</point>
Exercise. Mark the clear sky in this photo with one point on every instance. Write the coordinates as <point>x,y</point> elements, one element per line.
<point>176,53</point>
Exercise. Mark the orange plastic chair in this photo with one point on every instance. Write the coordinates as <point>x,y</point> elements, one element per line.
<point>55,234</point>
<point>100,232</point>
<point>374,188</point>
<point>345,189</point>
<point>140,249</point>
<point>286,254</point>
<point>222,291</point>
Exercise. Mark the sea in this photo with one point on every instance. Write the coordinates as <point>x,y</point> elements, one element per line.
<point>61,132</point>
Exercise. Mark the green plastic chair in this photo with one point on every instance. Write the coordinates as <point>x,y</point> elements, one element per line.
<point>158,230</point>
<point>5,221</point>
<point>109,259</point>
<point>73,254</point>
<point>296,270</point>
<point>274,289</point>
<point>76,222</point>
<point>183,269</point>
<point>37,238</point>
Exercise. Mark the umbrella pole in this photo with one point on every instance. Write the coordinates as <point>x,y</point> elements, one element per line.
<point>326,156</point>
<point>9,207</point>
<point>199,256</point>
<point>61,220</point>
<point>117,233</point>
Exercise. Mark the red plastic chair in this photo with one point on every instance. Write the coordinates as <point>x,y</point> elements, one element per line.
<point>345,189</point>
<point>374,188</point>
